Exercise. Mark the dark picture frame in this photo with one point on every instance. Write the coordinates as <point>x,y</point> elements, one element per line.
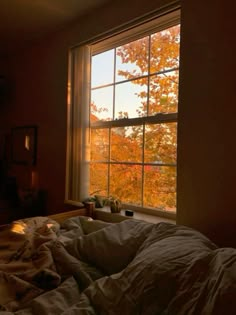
<point>24,145</point>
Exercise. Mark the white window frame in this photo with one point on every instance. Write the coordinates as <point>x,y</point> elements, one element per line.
<point>78,128</point>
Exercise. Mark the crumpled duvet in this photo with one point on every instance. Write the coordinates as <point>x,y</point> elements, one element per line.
<point>129,268</point>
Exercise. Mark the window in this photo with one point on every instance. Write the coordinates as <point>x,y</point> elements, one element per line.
<point>128,129</point>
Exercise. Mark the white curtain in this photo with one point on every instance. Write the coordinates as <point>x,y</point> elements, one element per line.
<point>77,158</point>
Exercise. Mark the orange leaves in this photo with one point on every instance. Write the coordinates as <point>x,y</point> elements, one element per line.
<point>137,163</point>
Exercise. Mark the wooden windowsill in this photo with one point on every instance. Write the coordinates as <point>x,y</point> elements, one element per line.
<point>104,214</point>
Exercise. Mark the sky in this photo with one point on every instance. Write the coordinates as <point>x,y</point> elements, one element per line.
<point>126,99</point>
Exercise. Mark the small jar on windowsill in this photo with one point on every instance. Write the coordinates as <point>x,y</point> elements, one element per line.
<point>90,207</point>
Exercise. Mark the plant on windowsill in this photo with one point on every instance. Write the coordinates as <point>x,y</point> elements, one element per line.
<point>101,201</point>
<point>113,203</point>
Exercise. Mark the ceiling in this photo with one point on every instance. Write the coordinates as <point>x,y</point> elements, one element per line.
<point>25,20</point>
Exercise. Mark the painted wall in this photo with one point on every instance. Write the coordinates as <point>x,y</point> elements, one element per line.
<point>38,73</point>
<point>206,150</point>
<point>207,128</point>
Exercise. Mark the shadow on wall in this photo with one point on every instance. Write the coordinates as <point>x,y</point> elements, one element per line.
<point>6,91</point>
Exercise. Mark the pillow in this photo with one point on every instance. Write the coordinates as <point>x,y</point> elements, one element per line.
<point>165,230</point>
<point>86,225</point>
<point>73,223</point>
<point>112,248</point>
<point>90,226</point>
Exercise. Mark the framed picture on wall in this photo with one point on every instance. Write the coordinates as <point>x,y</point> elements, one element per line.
<point>24,145</point>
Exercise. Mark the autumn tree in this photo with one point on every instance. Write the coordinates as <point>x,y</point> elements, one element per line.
<point>152,64</point>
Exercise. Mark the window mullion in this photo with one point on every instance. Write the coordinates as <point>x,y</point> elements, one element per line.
<point>114,83</point>
<point>138,77</point>
<point>109,163</point>
<point>149,68</point>
<point>135,163</point>
<point>143,160</point>
<point>125,122</point>
<point>113,115</point>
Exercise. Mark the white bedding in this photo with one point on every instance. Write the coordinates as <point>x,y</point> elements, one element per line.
<point>128,268</point>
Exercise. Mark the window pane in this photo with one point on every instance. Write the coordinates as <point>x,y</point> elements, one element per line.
<point>103,68</point>
<point>101,104</point>
<point>163,93</point>
<point>126,183</point>
<point>98,179</point>
<point>99,147</point>
<point>132,59</point>
<point>126,145</point>
<point>161,143</point>
<point>160,187</point>
<point>131,99</point>
<point>164,52</point>
<point>136,163</point>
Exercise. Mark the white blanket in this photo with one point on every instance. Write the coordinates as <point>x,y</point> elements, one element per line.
<point>128,268</point>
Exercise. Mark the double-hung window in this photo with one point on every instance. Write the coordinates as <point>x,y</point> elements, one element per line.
<point>122,122</point>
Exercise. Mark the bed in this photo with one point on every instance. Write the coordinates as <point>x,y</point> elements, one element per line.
<point>82,266</point>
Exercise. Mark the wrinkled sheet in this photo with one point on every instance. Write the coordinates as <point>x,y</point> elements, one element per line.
<point>35,268</point>
<point>133,267</point>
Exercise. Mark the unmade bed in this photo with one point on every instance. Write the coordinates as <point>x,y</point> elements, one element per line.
<point>85,266</point>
